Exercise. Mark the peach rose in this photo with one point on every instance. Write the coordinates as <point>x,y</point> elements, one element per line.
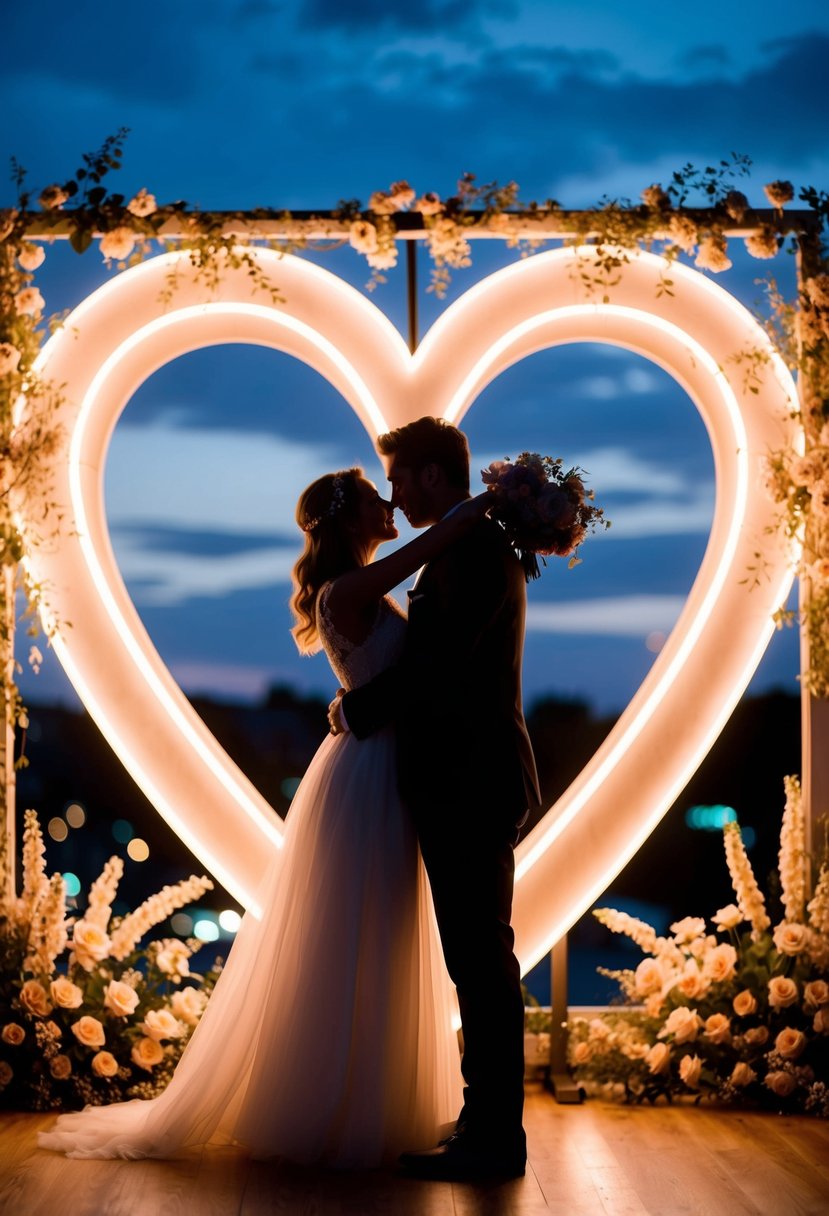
<point>188,1004</point>
<point>104,1064</point>
<point>6,1073</point>
<point>791,938</point>
<point>658,1058</point>
<point>820,1022</point>
<point>13,1034</point>
<point>781,1083</point>
<point>757,1036</point>
<point>688,928</point>
<point>120,998</point>
<point>728,917</point>
<point>582,1053</point>
<point>815,994</point>
<point>648,977</point>
<point>718,1028</point>
<point>742,1075</point>
<point>65,994</point>
<point>146,1053</point>
<point>28,301</point>
<point>782,992</point>
<point>160,1024</point>
<point>90,944</point>
<point>89,1032</point>
<point>118,243</point>
<point>744,1003</point>
<point>142,204</point>
<point>719,964</point>
<point>690,1068</point>
<point>790,1043</point>
<point>60,1067</point>
<point>692,983</point>
<point>31,256</point>
<point>33,997</point>
<point>683,1024</point>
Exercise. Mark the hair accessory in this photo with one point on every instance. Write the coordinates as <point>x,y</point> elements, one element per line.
<point>336,503</point>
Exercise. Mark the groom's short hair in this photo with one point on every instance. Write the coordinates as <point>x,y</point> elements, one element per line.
<point>430,441</point>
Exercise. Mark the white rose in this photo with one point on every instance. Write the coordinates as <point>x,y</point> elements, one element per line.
<point>118,244</point>
<point>790,1043</point>
<point>718,1028</point>
<point>690,1068</point>
<point>744,1003</point>
<point>188,1004</point>
<point>65,994</point>
<point>89,1032</point>
<point>658,1058</point>
<point>582,1053</point>
<point>728,917</point>
<point>742,1075</point>
<point>688,928</point>
<point>362,236</point>
<point>9,358</point>
<point>683,1024</point>
<point>692,983</point>
<point>120,998</point>
<point>173,957</point>
<point>648,977</point>
<point>143,204</point>
<point>712,254</point>
<point>160,1024</point>
<point>90,944</point>
<point>719,964</point>
<point>146,1053</point>
<point>104,1064</point>
<point>31,256</point>
<point>791,938</point>
<point>28,302</point>
<point>428,203</point>
<point>781,1083</point>
<point>816,993</point>
<point>782,992</point>
<point>33,997</point>
<point>384,259</point>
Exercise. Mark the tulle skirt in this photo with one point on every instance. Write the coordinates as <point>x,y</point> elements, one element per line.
<point>329,1036</point>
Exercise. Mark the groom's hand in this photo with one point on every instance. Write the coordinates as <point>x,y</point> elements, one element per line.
<point>336,720</point>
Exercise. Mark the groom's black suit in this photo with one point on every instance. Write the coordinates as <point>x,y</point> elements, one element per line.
<point>467,774</point>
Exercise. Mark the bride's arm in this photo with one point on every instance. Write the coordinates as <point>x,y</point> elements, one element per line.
<point>364,587</point>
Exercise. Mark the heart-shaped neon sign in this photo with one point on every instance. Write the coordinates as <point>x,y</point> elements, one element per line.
<point>120,335</point>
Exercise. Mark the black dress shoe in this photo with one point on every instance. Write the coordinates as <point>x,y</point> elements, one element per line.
<point>460,1158</point>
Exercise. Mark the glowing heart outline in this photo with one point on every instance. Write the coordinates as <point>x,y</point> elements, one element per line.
<point>121,331</point>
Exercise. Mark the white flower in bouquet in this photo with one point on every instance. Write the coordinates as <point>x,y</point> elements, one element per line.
<point>683,232</point>
<point>147,1053</point>
<point>31,256</point>
<point>172,957</point>
<point>143,204</point>
<point>728,917</point>
<point>779,193</point>
<point>120,999</point>
<point>763,243</point>
<point>90,943</point>
<point>362,236</point>
<point>118,243</point>
<point>28,302</point>
<point>104,1064</point>
<point>65,994</point>
<point>160,1024</point>
<point>690,1070</point>
<point>89,1031</point>
<point>188,1004</point>
<point>683,1023</point>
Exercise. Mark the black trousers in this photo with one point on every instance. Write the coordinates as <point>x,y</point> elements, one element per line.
<point>472,872</point>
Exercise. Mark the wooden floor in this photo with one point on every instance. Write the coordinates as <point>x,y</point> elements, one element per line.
<point>593,1159</point>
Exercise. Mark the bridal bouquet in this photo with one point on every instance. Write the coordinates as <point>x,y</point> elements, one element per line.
<point>741,1019</point>
<point>544,509</point>
<point>91,1018</point>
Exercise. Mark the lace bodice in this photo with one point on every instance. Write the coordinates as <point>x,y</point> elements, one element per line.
<point>355,663</point>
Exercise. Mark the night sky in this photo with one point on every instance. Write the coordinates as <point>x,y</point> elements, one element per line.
<point>302,105</point>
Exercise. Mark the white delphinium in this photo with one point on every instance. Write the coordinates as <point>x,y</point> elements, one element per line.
<point>47,933</point>
<point>153,911</point>
<point>749,896</point>
<point>103,892</point>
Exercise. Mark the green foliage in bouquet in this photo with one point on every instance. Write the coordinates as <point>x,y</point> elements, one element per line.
<point>91,1018</point>
<point>741,1020</point>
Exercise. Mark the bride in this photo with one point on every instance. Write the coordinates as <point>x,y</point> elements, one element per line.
<point>328,1037</point>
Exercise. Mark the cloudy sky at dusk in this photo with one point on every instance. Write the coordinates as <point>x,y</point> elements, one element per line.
<point>237,105</point>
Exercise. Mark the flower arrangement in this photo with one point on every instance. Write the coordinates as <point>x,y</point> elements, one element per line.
<point>739,1020</point>
<point>87,1016</point>
<point>544,509</point>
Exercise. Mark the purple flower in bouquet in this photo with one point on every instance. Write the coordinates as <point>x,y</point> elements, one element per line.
<point>544,510</point>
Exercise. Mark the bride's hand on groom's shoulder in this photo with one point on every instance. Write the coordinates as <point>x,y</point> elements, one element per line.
<point>336,721</point>
<point>475,508</point>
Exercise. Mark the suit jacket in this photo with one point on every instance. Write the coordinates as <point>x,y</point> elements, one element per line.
<point>455,696</point>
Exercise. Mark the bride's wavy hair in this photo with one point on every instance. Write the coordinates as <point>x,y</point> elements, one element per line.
<point>326,513</point>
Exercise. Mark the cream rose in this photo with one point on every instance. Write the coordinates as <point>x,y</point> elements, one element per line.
<point>146,1053</point>
<point>688,928</point>
<point>692,983</point>
<point>658,1058</point>
<point>782,992</point>
<point>790,1043</point>
<point>712,254</point>
<point>89,1032</point>
<point>9,358</point>
<point>65,994</point>
<point>582,1053</point>
<point>90,944</point>
<point>160,1024</point>
<point>683,1024</point>
<point>718,1028</point>
<point>815,994</point>
<point>653,1005</point>
<point>143,204</point>
<point>173,957</point>
<point>791,938</point>
<point>28,302</point>
<point>719,964</point>
<point>362,236</point>
<point>6,1073</point>
<point>33,997</point>
<point>13,1034</point>
<point>31,256</point>
<point>728,917</point>
<point>60,1067</point>
<point>104,1064</point>
<point>648,977</point>
<point>120,998</point>
<point>757,1036</point>
<point>118,244</point>
<point>744,1003</point>
<point>742,1075</point>
<point>690,1069</point>
<point>781,1083</point>
<point>188,1004</point>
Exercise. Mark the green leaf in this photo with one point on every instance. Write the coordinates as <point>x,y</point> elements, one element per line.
<point>96,196</point>
<point>80,239</point>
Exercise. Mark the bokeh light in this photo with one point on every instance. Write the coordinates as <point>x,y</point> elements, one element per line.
<point>72,883</point>
<point>230,920</point>
<point>206,930</point>
<point>182,924</point>
<point>138,849</point>
<point>57,828</point>
<point>123,831</point>
<point>75,815</point>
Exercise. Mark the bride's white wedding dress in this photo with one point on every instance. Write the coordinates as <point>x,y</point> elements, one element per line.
<point>328,1037</point>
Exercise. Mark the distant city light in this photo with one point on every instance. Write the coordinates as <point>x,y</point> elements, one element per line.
<point>230,920</point>
<point>711,818</point>
<point>206,930</point>
<point>57,828</point>
<point>72,884</point>
<point>182,924</point>
<point>290,786</point>
<point>123,831</point>
<point>75,815</point>
<point>138,849</point>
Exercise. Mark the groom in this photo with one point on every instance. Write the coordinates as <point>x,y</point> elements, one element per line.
<point>466,773</point>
